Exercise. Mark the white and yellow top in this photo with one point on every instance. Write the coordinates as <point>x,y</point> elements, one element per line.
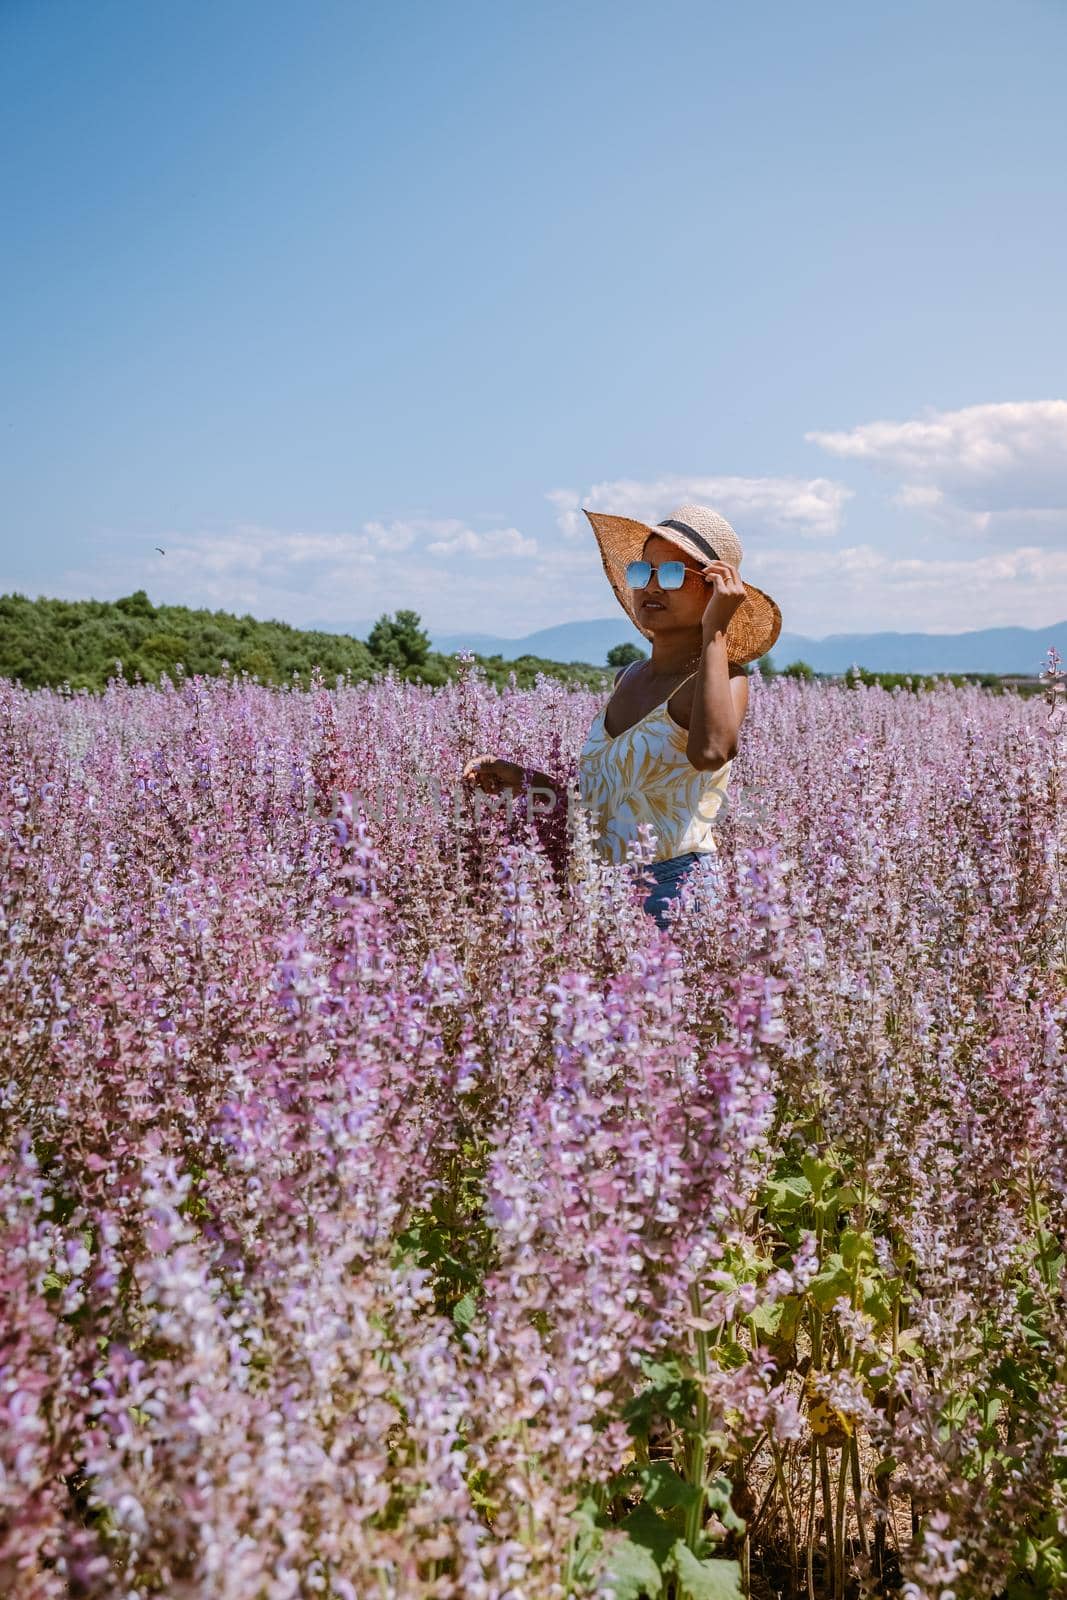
<point>644,775</point>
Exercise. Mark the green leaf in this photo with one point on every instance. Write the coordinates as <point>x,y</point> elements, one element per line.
<point>817,1173</point>
<point>855,1247</point>
<point>834,1280</point>
<point>731,1354</point>
<point>654,1530</point>
<point>587,1538</point>
<point>587,1513</point>
<point>631,1571</point>
<point>464,1311</point>
<point>719,1497</point>
<point>662,1486</point>
<point>878,1302</point>
<point>713,1579</point>
<point>767,1319</point>
<point>670,1393</point>
<point>794,1310</point>
<point>787,1194</point>
<point>662,1374</point>
<point>636,1552</point>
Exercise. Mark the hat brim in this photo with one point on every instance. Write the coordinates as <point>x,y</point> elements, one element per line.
<point>752,629</point>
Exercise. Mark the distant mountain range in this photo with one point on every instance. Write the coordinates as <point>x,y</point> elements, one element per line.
<point>1006,650</point>
<point>1012,650</point>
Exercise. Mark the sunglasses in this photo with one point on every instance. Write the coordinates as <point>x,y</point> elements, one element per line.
<point>672,574</point>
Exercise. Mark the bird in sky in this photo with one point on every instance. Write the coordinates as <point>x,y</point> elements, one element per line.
<point>162,552</point>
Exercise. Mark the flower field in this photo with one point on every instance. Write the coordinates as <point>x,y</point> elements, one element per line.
<point>390,1209</point>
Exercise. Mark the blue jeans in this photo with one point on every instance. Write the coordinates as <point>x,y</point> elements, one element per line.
<point>667,878</point>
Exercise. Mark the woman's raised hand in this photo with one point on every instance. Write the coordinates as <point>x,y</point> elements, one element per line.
<point>727,593</point>
<point>493,773</point>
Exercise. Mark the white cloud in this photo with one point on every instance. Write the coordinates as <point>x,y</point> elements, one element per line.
<point>397,535</point>
<point>485,573</point>
<point>810,507</point>
<point>497,542</point>
<point>252,549</point>
<point>985,469</point>
<point>447,534</point>
<point>919,497</point>
<point>568,504</point>
<point>439,566</point>
<point>1025,586</point>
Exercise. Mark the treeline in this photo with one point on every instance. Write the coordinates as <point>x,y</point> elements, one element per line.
<point>46,643</point>
<point>915,681</point>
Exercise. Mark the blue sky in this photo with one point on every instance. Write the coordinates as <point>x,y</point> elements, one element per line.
<point>352,306</point>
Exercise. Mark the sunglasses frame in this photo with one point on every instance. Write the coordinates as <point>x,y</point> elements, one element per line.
<point>652,568</point>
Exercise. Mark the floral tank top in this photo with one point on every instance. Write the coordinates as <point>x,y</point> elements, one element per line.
<point>644,775</point>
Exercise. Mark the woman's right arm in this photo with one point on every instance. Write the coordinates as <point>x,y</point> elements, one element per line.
<point>494,773</point>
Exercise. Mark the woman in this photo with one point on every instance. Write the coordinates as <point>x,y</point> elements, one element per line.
<point>662,749</point>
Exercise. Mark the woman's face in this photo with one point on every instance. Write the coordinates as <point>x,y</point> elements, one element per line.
<point>672,608</point>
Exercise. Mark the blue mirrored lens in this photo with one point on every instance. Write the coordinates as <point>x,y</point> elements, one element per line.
<point>672,575</point>
<point>638,573</point>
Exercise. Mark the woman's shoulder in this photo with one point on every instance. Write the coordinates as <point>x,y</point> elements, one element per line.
<point>680,704</point>
<point>736,670</point>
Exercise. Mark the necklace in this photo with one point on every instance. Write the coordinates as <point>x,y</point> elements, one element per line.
<point>691,661</point>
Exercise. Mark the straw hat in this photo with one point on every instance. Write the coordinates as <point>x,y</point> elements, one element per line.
<point>707,536</point>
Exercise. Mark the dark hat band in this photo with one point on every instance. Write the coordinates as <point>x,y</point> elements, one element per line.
<point>690,533</point>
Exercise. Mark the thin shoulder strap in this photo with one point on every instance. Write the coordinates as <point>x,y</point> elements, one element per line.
<point>673,692</point>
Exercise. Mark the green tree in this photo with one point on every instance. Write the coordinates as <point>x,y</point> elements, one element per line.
<point>136,604</point>
<point>767,667</point>
<point>799,669</point>
<point>163,648</point>
<point>620,655</point>
<point>399,642</point>
<point>258,664</point>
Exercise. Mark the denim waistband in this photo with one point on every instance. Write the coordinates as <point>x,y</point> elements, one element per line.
<point>665,879</point>
<point>674,866</point>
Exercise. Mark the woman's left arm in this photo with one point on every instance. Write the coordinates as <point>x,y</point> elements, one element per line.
<point>720,698</point>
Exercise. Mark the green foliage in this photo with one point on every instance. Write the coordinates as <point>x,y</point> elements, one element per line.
<point>710,1579</point>
<point>257,663</point>
<point>166,648</point>
<point>136,605</point>
<point>45,643</point>
<point>621,655</point>
<point>49,642</point>
<point>400,643</point>
<point>639,1556</point>
<point>452,1239</point>
<point>637,1569</point>
<point>857,675</point>
<point>524,671</point>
